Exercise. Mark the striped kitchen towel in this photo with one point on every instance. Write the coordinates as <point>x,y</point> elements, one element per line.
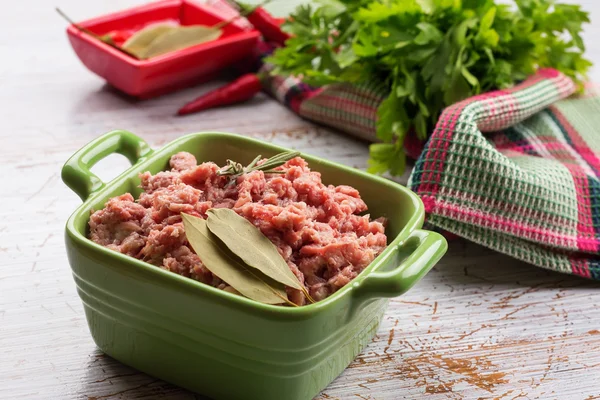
<point>515,170</point>
<point>518,171</point>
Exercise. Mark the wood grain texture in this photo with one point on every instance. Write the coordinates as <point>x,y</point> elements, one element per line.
<point>480,325</point>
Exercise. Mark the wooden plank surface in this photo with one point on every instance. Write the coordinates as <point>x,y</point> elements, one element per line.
<point>480,325</point>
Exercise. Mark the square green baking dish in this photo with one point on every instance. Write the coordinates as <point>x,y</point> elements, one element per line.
<point>216,343</point>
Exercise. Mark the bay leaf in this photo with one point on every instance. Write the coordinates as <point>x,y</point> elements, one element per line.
<point>221,262</point>
<point>139,42</point>
<point>179,38</point>
<point>247,242</point>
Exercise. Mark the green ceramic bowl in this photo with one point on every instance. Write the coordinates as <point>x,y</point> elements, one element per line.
<point>216,343</point>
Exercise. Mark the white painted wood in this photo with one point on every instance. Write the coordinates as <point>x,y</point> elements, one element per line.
<point>480,325</point>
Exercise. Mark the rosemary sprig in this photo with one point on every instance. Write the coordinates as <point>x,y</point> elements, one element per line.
<point>235,169</point>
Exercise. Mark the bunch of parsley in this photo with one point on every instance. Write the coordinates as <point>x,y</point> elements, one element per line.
<point>428,54</point>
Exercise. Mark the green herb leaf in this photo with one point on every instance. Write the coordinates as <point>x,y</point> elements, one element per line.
<point>458,89</point>
<point>421,126</point>
<point>473,81</point>
<point>389,125</point>
<point>383,155</point>
<point>488,19</point>
<point>429,33</point>
<point>346,57</point>
<point>224,264</point>
<point>382,151</point>
<point>247,242</point>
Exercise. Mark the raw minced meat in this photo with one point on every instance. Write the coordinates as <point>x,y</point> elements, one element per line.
<point>318,229</point>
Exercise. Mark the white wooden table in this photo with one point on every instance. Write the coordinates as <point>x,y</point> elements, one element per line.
<point>479,326</point>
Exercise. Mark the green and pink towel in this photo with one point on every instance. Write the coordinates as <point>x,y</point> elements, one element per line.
<point>514,170</point>
<point>517,171</point>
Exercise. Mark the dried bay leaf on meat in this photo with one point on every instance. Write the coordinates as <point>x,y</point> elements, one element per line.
<point>247,242</point>
<point>224,264</point>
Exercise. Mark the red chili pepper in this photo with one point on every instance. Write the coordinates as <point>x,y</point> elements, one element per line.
<point>242,89</point>
<point>268,25</point>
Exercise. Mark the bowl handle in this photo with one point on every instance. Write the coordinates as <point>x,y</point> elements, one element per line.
<point>76,172</point>
<point>427,249</point>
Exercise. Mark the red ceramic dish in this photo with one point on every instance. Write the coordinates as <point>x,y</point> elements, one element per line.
<point>168,72</point>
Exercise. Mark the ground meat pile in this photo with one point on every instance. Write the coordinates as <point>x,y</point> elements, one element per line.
<point>318,229</point>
